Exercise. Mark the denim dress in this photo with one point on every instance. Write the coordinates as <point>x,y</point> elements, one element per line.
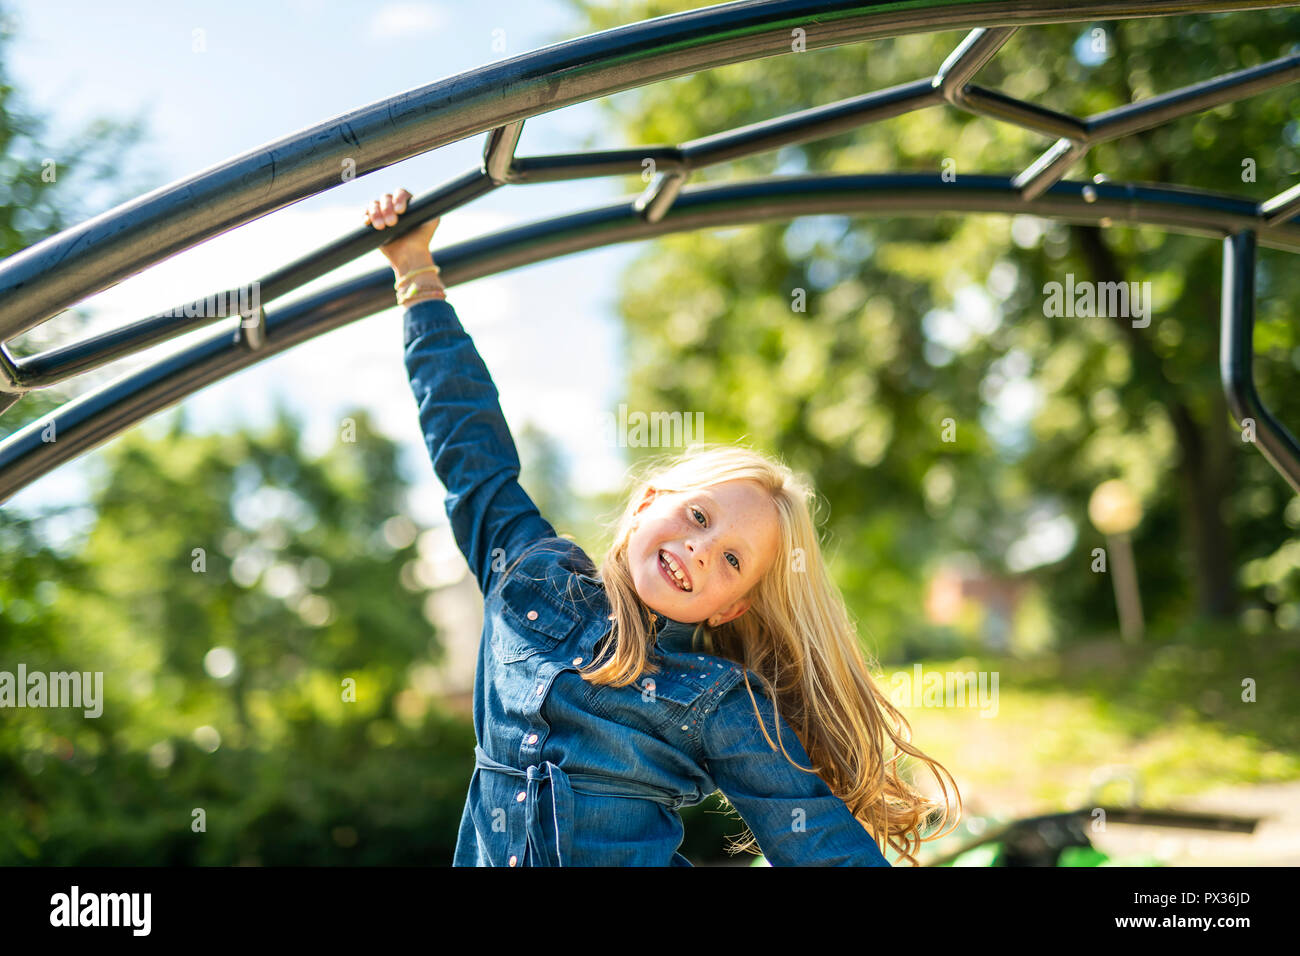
<point>568,773</point>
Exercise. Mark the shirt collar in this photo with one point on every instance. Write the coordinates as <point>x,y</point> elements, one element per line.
<point>673,635</point>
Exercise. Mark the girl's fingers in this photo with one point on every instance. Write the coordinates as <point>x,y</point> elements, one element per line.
<point>384,212</point>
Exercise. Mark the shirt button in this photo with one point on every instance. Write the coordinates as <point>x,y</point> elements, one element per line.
<point>539,690</point>
<point>514,860</point>
<point>519,797</point>
<point>532,615</point>
<point>530,739</point>
<point>685,727</point>
<point>577,660</point>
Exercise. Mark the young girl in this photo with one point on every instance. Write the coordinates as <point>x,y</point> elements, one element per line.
<point>605,700</point>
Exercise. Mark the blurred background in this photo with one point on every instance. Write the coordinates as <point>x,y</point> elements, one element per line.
<point>304,484</point>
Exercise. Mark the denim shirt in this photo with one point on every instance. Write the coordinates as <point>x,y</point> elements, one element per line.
<point>568,773</point>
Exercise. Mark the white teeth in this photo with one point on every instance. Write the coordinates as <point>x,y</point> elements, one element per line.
<point>674,570</point>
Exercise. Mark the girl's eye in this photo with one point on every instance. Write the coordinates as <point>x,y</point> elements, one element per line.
<point>730,557</point>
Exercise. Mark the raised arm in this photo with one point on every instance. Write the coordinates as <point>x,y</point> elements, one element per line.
<point>465,432</point>
<point>469,443</point>
<point>796,818</point>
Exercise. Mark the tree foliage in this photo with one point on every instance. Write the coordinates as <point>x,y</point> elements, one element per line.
<point>910,321</point>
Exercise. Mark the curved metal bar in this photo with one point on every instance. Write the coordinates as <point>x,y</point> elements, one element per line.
<point>92,419</point>
<point>58,272</point>
<point>54,365</point>
<point>500,166</point>
<point>1237,356</point>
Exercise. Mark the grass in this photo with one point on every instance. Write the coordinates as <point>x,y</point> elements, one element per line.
<point>1174,712</point>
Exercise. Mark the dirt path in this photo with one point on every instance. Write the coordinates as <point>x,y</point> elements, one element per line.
<point>1275,842</point>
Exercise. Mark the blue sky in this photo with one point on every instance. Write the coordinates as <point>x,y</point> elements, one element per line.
<point>215,80</point>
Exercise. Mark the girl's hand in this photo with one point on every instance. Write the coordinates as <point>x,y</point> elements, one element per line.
<point>412,248</point>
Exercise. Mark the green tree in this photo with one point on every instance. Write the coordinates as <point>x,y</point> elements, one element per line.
<point>910,321</point>
<point>258,618</point>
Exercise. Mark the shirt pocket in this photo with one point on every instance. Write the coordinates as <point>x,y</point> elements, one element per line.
<point>531,621</point>
<point>661,702</point>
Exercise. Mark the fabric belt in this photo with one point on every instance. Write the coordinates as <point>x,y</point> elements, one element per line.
<point>562,787</point>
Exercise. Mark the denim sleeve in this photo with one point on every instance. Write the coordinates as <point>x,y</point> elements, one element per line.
<point>794,815</point>
<point>469,442</point>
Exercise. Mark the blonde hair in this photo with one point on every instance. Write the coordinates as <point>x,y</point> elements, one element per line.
<point>798,638</point>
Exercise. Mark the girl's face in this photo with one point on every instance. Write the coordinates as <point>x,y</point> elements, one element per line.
<point>722,539</point>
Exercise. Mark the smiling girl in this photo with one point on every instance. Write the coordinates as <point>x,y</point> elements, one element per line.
<point>710,651</point>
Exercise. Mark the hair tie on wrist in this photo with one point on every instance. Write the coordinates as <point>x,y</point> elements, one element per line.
<point>438,292</point>
<point>402,280</point>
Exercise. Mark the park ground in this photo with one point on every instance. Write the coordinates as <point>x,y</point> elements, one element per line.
<point>1171,714</point>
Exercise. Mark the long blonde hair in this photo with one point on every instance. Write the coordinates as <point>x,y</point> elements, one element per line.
<point>798,638</point>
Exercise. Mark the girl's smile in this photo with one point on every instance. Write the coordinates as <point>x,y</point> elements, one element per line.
<point>694,555</point>
<point>670,571</point>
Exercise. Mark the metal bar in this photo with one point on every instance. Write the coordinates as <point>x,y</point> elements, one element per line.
<point>94,418</point>
<point>1281,207</point>
<point>1196,98</point>
<point>1135,816</point>
<point>1049,168</point>
<point>55,365</point>
<point>1135,117</point>
<point>1237,355</point>
<point>608,162</point>
<point>10,380</point>
<point>1008,109</point>
<point>815,123</point>
<point>60,271</point>
<point>970,56</point>
<point>1180,819</point>
<point>453,194</point>
<point>655,202</point>
<point>10,390</point>
<point>980,45</point>
<point>499,152</point>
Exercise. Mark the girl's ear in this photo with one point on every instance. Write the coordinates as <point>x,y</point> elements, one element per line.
<point>650,495</point>
<point>733,612</point>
